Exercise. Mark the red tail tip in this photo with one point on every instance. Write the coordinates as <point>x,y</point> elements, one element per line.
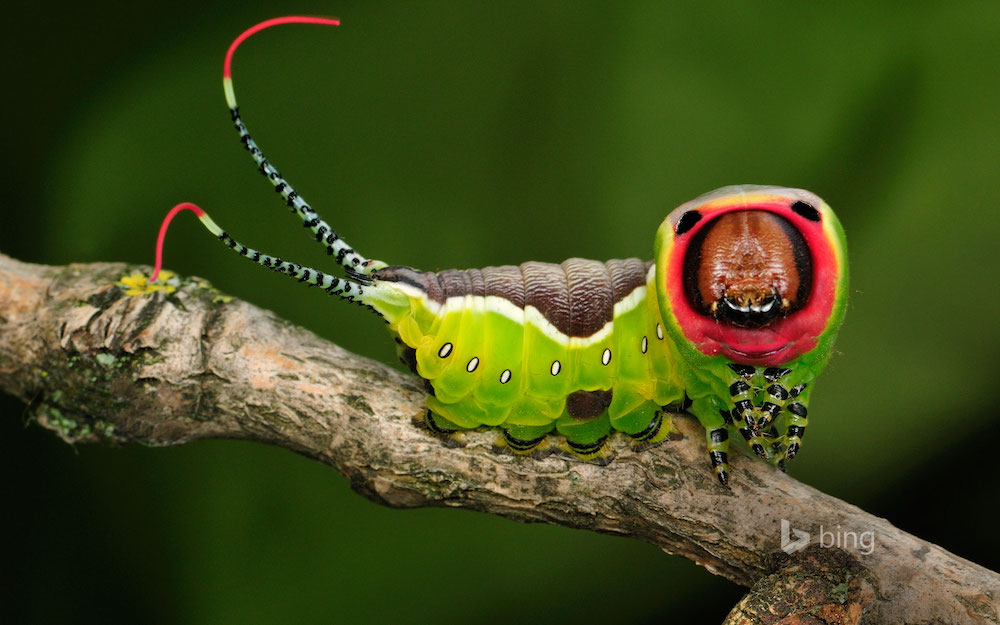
<point>163,234</point>
<point>289,19</point>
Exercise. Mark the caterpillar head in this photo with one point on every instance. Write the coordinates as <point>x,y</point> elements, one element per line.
<point>755,274</point>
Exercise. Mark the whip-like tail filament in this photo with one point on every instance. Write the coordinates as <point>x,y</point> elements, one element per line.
<point>322,231</point>
<point>347,289</point>
<point>356,266</point>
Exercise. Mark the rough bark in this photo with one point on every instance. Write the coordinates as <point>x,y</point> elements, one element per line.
<point>817,587</point>
<point>165,369</point>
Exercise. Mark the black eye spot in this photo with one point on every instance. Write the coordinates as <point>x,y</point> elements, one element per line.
<point>687,221</point>
<point>806,210</point>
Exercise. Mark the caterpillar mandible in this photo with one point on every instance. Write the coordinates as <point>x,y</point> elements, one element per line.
<point>732,321</point>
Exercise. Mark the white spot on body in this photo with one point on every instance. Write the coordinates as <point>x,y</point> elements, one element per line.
<point>606,357</point>
<point>505,376</point>
<point>555,367</point>
<point>472,364</point>
<point>445,350</point>
<point>645,344</point>
<point>659,332</point>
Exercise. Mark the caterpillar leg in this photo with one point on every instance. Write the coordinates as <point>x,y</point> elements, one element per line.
<point>718,453</point>
<point>795,422</point>
<point>653,434</point>
<point>586,438</point>
<point>715,419</point>
<point>795,429</point>
<point>646,426</point>
<point>743,415</point>
<point>449,433</point>
<point>777,395</point>
<point>777,448</point>
<point>524,439</point>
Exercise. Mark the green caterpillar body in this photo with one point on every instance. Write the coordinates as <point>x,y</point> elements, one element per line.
<point>578,347</point>
<point>732,321</point>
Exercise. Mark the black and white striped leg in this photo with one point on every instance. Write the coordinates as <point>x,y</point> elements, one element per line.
<point>777,395</point>
<point>742,417</point>
<point>718,453</point>
<point>795,428</point>
<point>777,447</point>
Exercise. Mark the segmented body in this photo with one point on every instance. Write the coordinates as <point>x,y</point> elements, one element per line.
<point>732,321</point>
<point>576,346</point>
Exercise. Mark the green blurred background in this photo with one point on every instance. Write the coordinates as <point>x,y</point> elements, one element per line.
<point>463,134</point>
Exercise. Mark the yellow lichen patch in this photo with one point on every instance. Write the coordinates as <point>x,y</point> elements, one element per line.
<point>136,283</point>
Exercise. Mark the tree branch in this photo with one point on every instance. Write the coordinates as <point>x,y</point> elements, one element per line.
<point>165,369</point>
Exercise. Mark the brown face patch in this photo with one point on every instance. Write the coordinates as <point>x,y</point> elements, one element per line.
<point>748,268</point>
